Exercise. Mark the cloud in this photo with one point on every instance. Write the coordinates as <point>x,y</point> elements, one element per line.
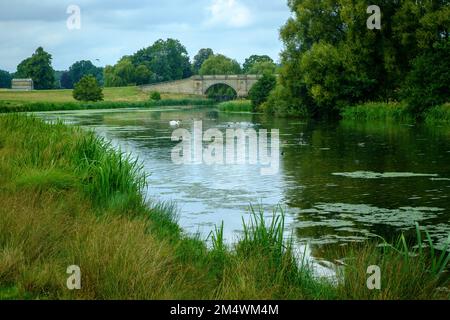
<point>229,12</point>
<point>113,28</point>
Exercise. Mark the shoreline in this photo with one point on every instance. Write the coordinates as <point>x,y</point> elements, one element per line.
<point>71,185</point>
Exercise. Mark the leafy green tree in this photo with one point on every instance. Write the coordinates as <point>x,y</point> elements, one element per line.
<point>111,77</point>
<point>250,63</point>
<point>88,89</point>
<point>168,60</point>
<point>124,73</point>
<point>5,79</point>
<point>66,81</point>
<point>39,68</point>
<point>142,75</point>
<point>220,65</point>
<point>260,91</point>
<point>427,84</point>
<point>332,59</point>
<point>263,67</point>
<point>83,68</point>
<point>200,58</point>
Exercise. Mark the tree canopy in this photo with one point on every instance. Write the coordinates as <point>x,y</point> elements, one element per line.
<point>220,65</point>
<point>39,68</point>
<point>5,79</point>
<point>78,70</point>
<point>88,89</point>
<point>200,58</point>
<point>332,59</point>
<point>249,65</point>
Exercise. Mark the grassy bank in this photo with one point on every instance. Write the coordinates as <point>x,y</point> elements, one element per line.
<point>119,94</point>
<point>236,106</point>
<point>395,112</point>
<point>68,199</point>
<point>377,111</point>
<point>114,98</point>
<point>438,115</point>
<point>11,107</point>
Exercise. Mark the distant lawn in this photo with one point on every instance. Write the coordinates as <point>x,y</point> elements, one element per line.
<point>122,94</point>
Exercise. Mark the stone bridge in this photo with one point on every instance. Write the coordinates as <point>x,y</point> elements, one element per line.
<point>199,85</point>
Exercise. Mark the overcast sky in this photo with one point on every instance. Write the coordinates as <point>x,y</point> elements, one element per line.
<point>113,28</point>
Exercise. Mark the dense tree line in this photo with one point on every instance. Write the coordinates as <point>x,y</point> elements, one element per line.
<point>164,60</point>
<point>5,79</point>
<point>332,59</point>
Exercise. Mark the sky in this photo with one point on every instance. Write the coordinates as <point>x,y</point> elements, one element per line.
<point>111,29</point>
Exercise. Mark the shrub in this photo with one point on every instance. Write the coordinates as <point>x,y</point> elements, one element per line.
<point>88,89</point>
<point>426,85</point>
<point>261,90</point>
<point>155,96</point>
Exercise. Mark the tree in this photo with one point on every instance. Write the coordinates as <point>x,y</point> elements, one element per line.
<point>260,91</point>
<point>168,60</point>
<point>122,74</point>
<point>88,89</point>
<point>427,83</point>
<point>83,68</point>
<point>5,79</point>
<point>332,59</point>
<point>142,75</point>
<point>111,78</point>
<point>66,81</point>
<point>220,65</point>
<point>263,67</point>
<point>39,68</point>
<point>255,59</point>
<point>200,58</point>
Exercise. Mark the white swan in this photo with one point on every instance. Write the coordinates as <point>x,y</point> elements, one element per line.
<point>174,123</point>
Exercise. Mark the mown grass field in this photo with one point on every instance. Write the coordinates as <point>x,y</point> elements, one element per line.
<point>68,198</point>
<point>114,98</point>
<point>122,94</point>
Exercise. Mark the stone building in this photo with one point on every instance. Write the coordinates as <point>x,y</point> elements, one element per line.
<point>22,84</point>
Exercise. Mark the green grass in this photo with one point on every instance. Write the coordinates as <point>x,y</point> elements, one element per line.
<point>438,115</point>
<point>69,198</point>
<point>119,94</point>
<point>377,111</point>
<point>114,98</point>
<point>12,107</point>
<point>236,106</point>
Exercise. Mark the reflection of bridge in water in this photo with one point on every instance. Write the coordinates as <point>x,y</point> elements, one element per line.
<point>199,85</point>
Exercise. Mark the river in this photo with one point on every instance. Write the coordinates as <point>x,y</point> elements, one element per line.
<point>337,182</point>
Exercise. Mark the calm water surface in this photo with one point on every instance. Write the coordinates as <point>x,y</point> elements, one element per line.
<point>338,182</point>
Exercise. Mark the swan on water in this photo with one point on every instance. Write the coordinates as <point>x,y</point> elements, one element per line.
<point>174,123</point>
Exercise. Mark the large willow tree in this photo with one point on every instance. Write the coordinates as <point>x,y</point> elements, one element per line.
<point>331,58</point>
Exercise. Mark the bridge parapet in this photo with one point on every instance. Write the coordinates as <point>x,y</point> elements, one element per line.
<point>199,85</point>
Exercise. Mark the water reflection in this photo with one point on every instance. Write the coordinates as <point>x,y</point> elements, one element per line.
<point>332,181</point>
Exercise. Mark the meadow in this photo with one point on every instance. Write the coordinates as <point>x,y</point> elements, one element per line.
<point>114,98</point>
<point>69,198</point>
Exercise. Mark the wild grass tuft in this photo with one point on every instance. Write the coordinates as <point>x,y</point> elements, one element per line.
<point>236,106</point>
<point>377,111</point>
<point>438,115</point>
<point>69,198</point>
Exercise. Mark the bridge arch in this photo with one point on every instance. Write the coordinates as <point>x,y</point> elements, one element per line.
<point>221,91</point>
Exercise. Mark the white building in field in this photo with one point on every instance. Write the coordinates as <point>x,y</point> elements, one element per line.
<point>22,84</point>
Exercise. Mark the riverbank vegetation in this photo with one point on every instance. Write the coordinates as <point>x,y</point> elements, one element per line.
<point>332,59</point>
<point>69,199</point>
<point>114,98</point>
<point>236,106</point>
